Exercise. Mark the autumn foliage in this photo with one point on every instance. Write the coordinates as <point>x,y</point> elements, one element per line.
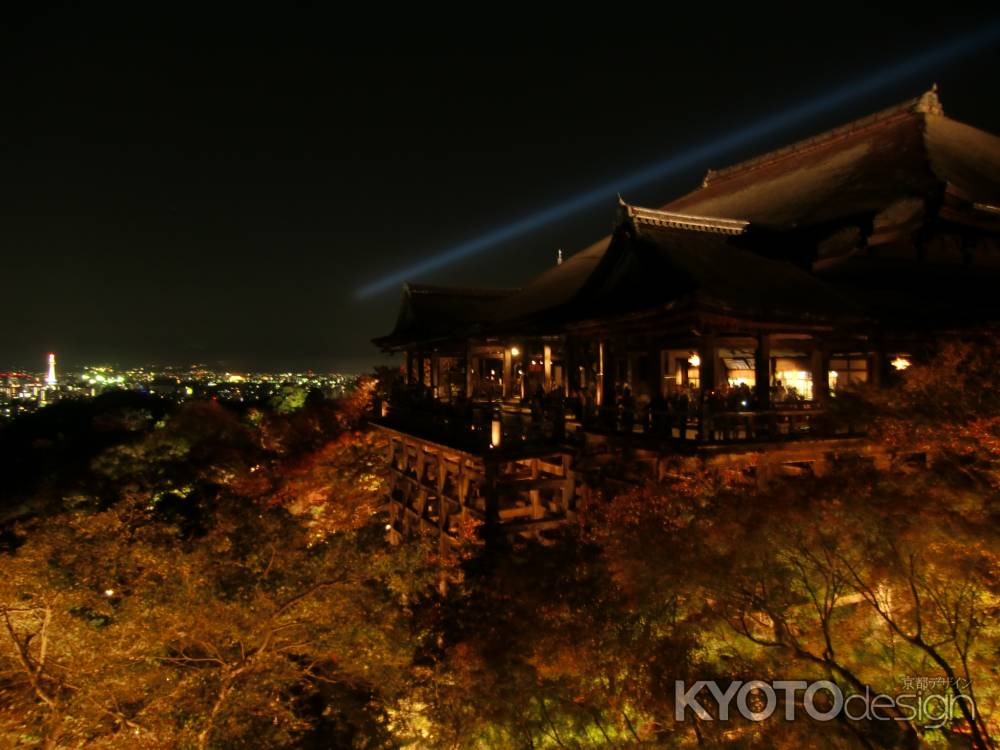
<point>217,578</point>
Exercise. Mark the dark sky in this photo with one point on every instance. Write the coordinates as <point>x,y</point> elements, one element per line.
<point>216,187</point>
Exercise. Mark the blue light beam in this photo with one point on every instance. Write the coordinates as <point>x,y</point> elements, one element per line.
<point>693,156</point>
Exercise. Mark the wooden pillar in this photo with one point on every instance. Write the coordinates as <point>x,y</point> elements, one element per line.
<point>571,375</point>
<point>508,373</point>
<point>409,366</point>
<point>875,360</point>
<point>492,534</point>
<point>462,483</point>
<point>608,412</point>
<point>820,373</point>
<point>662,371</point>
<point>469,370</point>
<point>435,374</point>
<point>517,363</point>
<point>610,374</point>
<point>442,519</point>
<point>633,374</point>
<point>708,353</point>
<point>601,354</point>
<point>654,376</point>
<point>569,485</point>
<point>606,375</point>
<point>762,371</point>
<point>534,494</point>
<point>547,368</point>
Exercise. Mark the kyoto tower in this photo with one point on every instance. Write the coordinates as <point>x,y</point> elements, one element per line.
<point>50,378</point>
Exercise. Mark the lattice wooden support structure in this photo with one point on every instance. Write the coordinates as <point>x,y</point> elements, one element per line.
<point>442,490</point>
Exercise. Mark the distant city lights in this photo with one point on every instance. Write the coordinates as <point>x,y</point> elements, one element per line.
<point>22,392</point>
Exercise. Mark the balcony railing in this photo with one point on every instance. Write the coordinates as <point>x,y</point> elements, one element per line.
<point>484,425</point>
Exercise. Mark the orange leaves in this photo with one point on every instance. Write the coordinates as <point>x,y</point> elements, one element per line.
<point>356,404</point>
<point>338,486</point>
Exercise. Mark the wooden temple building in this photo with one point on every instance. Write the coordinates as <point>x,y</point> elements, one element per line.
<point>718,327</point>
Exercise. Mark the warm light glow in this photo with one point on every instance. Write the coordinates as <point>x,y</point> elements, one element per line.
<point>109,592</point>
<point>901,363</point>
<point>50,377</point>
<point>694,360</point>
<point>798,381</point>
<point>514,351</point>
<point>495,433</point>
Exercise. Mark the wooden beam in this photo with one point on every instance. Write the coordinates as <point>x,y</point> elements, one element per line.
<point>521,511</point>
<point>534,525</point>
<point>532,483</point>
<point>556,469</point>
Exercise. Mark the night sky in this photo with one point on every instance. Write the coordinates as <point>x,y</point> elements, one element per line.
<point>216,188</point>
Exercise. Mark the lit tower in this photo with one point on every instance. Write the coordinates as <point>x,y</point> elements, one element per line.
<point>50,379</point>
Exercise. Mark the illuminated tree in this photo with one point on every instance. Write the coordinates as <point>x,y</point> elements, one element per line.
<point>218,578</point>
<point>209,594</point>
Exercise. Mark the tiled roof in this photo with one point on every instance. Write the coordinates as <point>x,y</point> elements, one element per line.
<point>713,246</point>
<point>912,150</point>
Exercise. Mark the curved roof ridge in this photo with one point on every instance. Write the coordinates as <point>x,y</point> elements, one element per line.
<point>457,291</point>
<point>675,220</point>
<point>926,103</point>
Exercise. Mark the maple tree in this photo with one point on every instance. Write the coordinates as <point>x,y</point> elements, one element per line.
<point>215,577</point>
<point>199,589</point>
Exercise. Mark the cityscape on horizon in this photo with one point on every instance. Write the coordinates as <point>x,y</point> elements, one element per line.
<point>24,391</point>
